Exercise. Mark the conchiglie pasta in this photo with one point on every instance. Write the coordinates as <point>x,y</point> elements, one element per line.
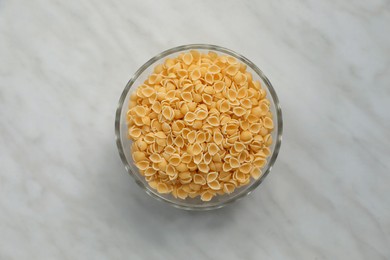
<point>201,126</point>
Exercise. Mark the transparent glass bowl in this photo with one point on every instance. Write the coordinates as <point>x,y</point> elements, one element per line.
<point>124,143</point>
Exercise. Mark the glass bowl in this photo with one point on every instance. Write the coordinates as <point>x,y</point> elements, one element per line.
<point>124,144</point>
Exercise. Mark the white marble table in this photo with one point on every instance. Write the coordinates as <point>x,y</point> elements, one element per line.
<point>64,193</point>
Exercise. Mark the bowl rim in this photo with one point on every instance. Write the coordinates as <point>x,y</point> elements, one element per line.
<point>210,47</point>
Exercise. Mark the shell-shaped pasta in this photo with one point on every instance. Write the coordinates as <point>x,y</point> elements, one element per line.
<point>268,123</point>
<point>134,132</point>
<point>199,179</point>
<point>209,78</point>
<point>242,93</point>
<point>186,158</point>
<point>206,196</point>
<point>150,171</point>
<point>226,166</point>
<point>256,173</point>
<point>219,86</point>
<point>255,128</point>
<point>182,73</point>
<point>217,158</point>
<point>187,96</point>
<point>209,90</point>
<point>213,120</point>
<point>211,176</point>
<point>178,126</point>
<point>160,134</point>
<point>229,188</point>
<point>182,167</point>
<point>214,185</point>
<point>232,70</point>
<point>169,149</point>
<point>184,132</point>
<point>213,149</point>
<point>234,163</point>
<point>148,91</point>
<point>156,158</point>
<point>232,94</point>
<point>214,69</point>
<point>138,156</point>
<point>259,162</point>
<point>181,193</point>
<point>175,160</point>
<point>179,141</point>
<point>246,103</point>
<point>268,140</point>
<point>203,167</point>
<point>190,117</point>
<point>217,137</point>
<point>191,136</point>
<point>224,106</point>
<point>162,188</point>
<point>153,184</point>
<point>207,158</point>
<point>245,168</point>
<point>200,137</point>
<point>239,147</point>
<point>194,187</point>
<point>197,149</point>
<point>142,165</point>
<point>239,111</point>
<point>187,58</point>
<point>192,166</point>
<point>224,176</point>
<point>139,111</point>
<point>198,158</point>
<point>195,74</point>
<point>201,114</point>
<point>207,99</point>
<point>168,113</point>
<point>246,136</point>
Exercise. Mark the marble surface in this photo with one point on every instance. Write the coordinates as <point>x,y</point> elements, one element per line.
<point>64,193</point>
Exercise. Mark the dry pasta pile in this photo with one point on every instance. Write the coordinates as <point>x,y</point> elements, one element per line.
<point>200,125</point>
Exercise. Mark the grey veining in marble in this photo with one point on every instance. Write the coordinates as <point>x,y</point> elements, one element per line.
<point>64,193</point>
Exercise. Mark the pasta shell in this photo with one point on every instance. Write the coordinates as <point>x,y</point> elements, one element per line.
<point>256,173</point>
<point>139,111</point>
<point>206,196</point>
<point>207,158</point>
<point>187,58</point>
<point>199,179</point>
<point>213,149</point>
<point>142,165</point>
<point>229,188</point>
<point>211,176</point>
<point>234,163</point>
<point>202,167</point>
<point>186,158</point>
<point>207,99</point>
<point>268,123</point>
<point>213,120</point>
<point>167,112</point>
<point>214,185</point>
<point>201,114</point>
<point>239,111</point>
<point>219,86</point>
<point>232,70</point>
<point>245,168</point>
<point>195,74</point>
<point>191,136</point>
<point>187,96</point>
<point>175,160</point>
<point>259,162</point>
<point>232,94</point>
<point>162,188</point>
<point>156,158</point>
<point>190,117</point>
